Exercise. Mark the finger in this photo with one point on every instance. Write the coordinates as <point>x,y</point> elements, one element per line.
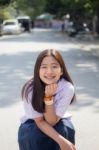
<point>74,148</point>
<point>53,86</point>
<point>48,90</point>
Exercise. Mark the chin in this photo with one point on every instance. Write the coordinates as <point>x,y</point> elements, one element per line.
<point>48,83</point>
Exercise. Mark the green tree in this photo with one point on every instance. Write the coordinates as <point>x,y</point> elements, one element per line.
<point>4,2</point>
<point>54,7</point>
<point>31,7</point>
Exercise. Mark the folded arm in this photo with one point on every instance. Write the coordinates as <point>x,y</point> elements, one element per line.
<point>52,133</point>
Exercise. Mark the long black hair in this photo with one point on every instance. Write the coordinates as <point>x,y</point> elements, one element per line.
<point>36,86</point>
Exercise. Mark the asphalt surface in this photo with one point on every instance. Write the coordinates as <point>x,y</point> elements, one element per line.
<point>17,58</point>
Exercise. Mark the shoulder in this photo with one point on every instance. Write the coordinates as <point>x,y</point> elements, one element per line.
<point>65,85</point>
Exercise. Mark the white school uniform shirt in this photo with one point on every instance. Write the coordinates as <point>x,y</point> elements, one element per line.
<point>62,99</point>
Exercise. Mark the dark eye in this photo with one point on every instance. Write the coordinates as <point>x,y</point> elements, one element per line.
<point>55,66</point>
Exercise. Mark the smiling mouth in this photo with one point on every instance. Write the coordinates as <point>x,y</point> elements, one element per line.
<point>50,77</point>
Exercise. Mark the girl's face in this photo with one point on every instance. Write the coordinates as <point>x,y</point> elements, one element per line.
<point>50,70</point>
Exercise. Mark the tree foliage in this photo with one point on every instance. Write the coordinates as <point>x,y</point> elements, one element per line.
<point>4,2</point>
<point>73,7</point>
<point>54,6</point>
<point>31,7</point>
<point>57,7</point>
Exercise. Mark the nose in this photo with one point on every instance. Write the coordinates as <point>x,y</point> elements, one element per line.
<point>49,70</point>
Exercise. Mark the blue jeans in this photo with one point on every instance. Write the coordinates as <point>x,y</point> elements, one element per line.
<point>30,137</point>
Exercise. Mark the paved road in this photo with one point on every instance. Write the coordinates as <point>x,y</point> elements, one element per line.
<point>17,58</point>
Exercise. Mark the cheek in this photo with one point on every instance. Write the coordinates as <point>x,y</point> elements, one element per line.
<point>41,72</point>
<point>59,72</point>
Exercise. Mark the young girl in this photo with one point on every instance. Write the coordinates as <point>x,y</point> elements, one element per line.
<point>46,124</point>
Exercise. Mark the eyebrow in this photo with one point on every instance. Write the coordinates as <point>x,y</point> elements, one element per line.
<point>51,64</point>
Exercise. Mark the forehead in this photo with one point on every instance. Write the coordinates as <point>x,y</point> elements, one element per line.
<point>49,60</point>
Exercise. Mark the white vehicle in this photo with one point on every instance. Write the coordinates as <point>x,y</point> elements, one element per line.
<point>11,26</point>
<point>25,22</point>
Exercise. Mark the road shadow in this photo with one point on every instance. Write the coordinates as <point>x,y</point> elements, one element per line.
<point>33,37</point>
<point>38,36</point>
<point>15,69</point>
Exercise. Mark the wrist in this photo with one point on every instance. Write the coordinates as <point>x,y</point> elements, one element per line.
<point>63,142</point>
<point>58,140</point>
<point>48,100</point>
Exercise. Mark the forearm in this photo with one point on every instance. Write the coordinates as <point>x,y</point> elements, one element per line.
<point>50,114</point>
<point>48,130</point>
<point>52,133</point>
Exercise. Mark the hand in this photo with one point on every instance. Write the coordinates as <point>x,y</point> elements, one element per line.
<point>50,89</point>
<point>66,145</point>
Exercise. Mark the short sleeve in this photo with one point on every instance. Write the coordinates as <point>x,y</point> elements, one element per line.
<point>63,99</point>
<point>28,109</point>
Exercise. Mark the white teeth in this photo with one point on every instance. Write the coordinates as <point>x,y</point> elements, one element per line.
<point>49,77</point>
